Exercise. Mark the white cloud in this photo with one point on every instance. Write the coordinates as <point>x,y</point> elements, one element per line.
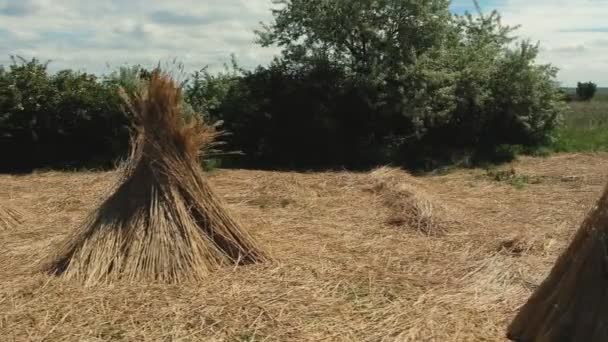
<point>570,34</point>
<point>88,34</point>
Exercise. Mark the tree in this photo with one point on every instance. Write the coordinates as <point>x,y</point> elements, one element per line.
<point>358,35</point>
<point>586,91</point>
<point>384,47</point>
<point>428,81</point>
<point>205,91</point>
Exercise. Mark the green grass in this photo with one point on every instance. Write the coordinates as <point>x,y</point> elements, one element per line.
<point>585,126</point>
<point>510,176</point>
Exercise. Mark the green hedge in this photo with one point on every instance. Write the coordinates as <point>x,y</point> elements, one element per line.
<point>456,88</point>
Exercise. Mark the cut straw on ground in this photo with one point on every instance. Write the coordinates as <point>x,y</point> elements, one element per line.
<point>410,204</point>
<point>9,218</point>
<point>341,272</point>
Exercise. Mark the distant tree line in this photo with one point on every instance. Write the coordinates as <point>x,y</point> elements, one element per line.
<point>358,83</point>
<point>586,90</point>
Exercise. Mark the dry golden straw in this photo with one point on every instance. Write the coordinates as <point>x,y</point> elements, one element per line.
<point>409,204</point>
<point>163,222</point>
<point>572,302</point>
<point>9,218</point>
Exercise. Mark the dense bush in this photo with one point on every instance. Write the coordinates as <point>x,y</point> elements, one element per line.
<point>298,117</point>
<point>205,91</point>
<point>375,81</point>
<point>586,91</point>
<point>67,118</point>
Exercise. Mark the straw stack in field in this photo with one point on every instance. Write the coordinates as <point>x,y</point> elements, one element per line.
<point>163,222</point>
<point>8,218</point>
<point>409,204</point>
<point>572,302</point>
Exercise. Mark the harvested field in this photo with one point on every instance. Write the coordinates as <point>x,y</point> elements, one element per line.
<point>343,270</point>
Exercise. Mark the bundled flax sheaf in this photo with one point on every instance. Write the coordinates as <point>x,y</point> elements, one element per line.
<point>572,302</point>
<point>8,218</point>
<point>163,222</point>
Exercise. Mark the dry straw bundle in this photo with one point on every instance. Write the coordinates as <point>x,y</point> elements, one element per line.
<point>9,218</point>
<point>163,222</point>
<point>409,204</point>
<point>572,302</point>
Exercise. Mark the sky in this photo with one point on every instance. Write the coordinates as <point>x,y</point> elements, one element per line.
<point>98,35</point>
